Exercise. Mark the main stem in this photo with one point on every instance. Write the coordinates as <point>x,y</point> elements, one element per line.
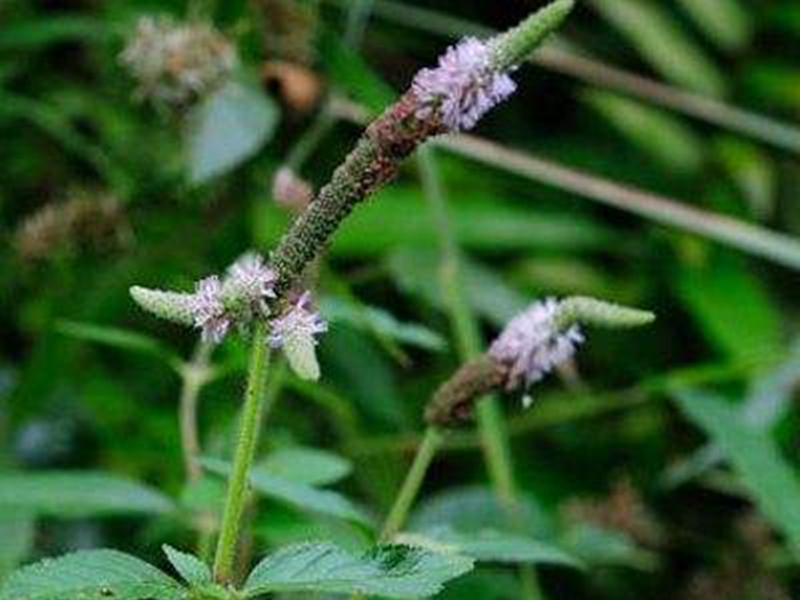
<point>243,459</point>
<point>491,424</point>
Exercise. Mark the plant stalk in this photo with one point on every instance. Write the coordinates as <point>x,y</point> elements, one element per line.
<point>243,458</point>
<point>398,514</point>
<point>491,424</point>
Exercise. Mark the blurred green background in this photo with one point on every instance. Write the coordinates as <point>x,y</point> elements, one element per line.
<point>650,158</point>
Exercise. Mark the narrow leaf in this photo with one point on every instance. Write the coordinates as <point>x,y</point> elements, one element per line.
<point>306,465</point>
<point>754,456</point>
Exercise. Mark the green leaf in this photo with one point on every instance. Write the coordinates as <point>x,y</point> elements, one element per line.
<point>119,338</point>
<point>16,539</point>
<point>41,31</point>
<point>665,138</point>
<point>77,494</point>
<point>755,457</point>
<point>298,495</point>
<point>753,172</point>
<point>732,307</point>
<point>387,571</point>
<point>300,350</point>
<point>193,570</point>
<point>491,545</point>
<point>306,465</point>
<point>607,548</point>
<point>416,272</point>
<point>381,322</point>
<point>91,575</point>
<point>227,128</point>
<point>725,22</point>
<point>663,43</point>
<point>349,70</point>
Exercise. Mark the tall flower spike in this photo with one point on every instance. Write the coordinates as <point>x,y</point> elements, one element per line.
<point>295,332</point>
<point>469,79</point>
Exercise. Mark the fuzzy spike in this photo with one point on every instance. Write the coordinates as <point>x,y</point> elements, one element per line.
<point>515,45</point>
<point>597,313</point>
<point>172,306</point>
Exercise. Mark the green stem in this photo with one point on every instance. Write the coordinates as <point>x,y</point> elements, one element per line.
<point>243,458</point>
<point>398,514</point>
<point>491,424</point>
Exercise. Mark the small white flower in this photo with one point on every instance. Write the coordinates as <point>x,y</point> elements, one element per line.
<point>463,87</point>
<point>295,332</point>
<point>208,310</point>
<point>531,345</point>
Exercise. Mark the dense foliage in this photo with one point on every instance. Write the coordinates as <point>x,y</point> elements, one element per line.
<point>661,463</point>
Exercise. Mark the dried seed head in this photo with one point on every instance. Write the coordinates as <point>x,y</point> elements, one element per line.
<point>532,344</point>
<point>296,333</point>
<point>463,87</point>
<point>177,62</point>
<point>290,190</point>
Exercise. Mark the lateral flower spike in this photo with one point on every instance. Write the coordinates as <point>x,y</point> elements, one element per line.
<point>597,313</point>
<point>172,306</point>
<point>542,337</point>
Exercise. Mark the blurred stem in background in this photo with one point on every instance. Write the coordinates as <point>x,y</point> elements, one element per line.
<point>491,423</point>
<point>243,458</point>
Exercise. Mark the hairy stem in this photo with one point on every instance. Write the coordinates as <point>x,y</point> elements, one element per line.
<point>243,458</point>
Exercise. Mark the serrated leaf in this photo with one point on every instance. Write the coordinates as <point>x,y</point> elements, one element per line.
<point>91,575</point>
<point>387,571</point>
<point>491,545</point>
<point>755,457</point>
<point>78,494</point>
<point>227,128</point>
<point>306,465</point>
<point>661,41</point>
<point>295,494</point>
<point>193,570</point>
<point>118,338</point>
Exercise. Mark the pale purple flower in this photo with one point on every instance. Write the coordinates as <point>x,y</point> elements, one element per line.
<point>531,345</point>
<point>208,310</point>
<point>300,321</point>
<point>249,283</point>
<point>463,87</point>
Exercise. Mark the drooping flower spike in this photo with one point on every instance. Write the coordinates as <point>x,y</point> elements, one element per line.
<point>533,343</point>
